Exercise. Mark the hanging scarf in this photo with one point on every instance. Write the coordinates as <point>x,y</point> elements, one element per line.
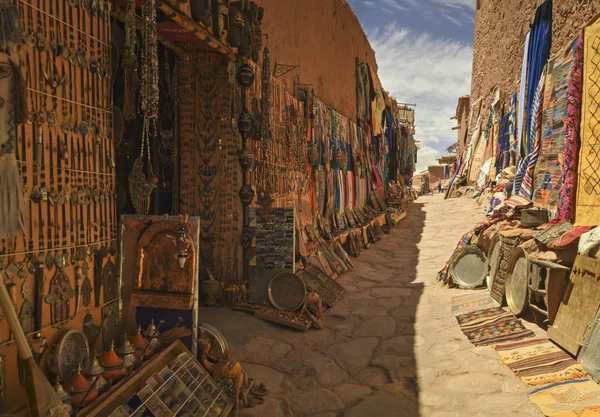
<point>539,52</point>
<point>522,90</point>
<point>533,140</point>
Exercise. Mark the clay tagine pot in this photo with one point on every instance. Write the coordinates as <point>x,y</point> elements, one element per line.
<point>112,364</point>
<point>77,386</point>
<point>139,343</point>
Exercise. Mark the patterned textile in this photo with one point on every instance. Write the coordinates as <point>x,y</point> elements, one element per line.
<point>503,143</point>
<point>587,212</point>
<point>548,171</point>
<point>512,127</point>
<point>540,362</point>
<point>577,398</point>
<point>533,139</point>
<point>471,302</point>
<point>566,206</point>
<point>539,52</point>
<point>492,325</point>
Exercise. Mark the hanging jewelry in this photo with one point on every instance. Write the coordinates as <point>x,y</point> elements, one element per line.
<point>141,188</point>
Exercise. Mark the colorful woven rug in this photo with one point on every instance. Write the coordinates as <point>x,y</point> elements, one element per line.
<point>577,398</point>
<point>472,302</point>
<point>587,211</point>
<point>491,326</point>
<point>540,362</point>
<point>549,168</point>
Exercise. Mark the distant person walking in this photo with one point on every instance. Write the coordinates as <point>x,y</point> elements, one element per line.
<point>440,187</point>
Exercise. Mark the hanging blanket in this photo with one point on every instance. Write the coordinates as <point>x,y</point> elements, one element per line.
<point>587,212</point>
<point>548,171</point>
<point>540,362</point>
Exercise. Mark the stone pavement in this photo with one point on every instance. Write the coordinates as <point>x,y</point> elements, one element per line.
<point>392,347</point>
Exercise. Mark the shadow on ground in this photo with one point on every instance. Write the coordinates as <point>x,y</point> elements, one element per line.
<point>363,363</point>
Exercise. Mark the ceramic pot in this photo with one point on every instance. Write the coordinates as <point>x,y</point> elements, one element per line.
<point>210,290</point>
<point>77,386</point>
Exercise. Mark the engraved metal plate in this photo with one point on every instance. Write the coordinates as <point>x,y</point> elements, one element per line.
<point>287,291</point>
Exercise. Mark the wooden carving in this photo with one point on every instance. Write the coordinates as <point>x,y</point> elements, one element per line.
<point>161,278</point>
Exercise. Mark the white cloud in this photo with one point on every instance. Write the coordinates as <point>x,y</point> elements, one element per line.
<point>432,72</point>
<point>459,4</point>
<point>427,156</point>
<point>394,5</point>
<point>369,3</point>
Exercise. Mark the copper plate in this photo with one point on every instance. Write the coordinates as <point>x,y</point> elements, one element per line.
<point>517,282</point>
<point>287,291</point>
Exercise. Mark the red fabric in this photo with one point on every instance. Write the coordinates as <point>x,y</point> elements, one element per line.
<point>569,238</point>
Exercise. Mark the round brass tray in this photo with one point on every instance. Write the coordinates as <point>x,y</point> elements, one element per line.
<point>469,268</point>
<point>517,281</point>
<point>287,291</point>
<point>71,351</point>
<point>219,346</point>
<point>493,260</point>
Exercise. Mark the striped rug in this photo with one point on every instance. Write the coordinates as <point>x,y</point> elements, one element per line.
<point>576,398</point>
<point>491,326</point>
<point>540,362</point>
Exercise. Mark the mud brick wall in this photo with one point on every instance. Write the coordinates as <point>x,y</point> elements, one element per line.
<point>324,38</point>
<point>500,29</point>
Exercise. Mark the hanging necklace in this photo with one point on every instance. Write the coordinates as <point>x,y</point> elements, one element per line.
<point>141,188</point>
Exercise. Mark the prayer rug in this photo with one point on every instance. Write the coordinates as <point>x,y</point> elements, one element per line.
<point>577,398</point>
<point>471,302</point>
<point>587,212</point>
<point>540,362</point>
<point>548,170</point>
<point>491,326</point>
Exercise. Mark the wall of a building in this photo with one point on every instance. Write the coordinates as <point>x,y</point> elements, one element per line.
<point>324,38</point>
<point>500,32</point>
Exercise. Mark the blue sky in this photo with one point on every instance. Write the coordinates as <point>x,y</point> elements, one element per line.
<point>424,51</point>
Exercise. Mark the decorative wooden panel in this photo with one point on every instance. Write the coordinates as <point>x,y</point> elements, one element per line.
<point>65,156</point>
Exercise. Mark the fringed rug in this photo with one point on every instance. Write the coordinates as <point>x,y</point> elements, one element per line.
<point>540,362</point>
<point>472,302</point>
<point>577,398</point>
<point>491,326</point>
<point>549,168</point>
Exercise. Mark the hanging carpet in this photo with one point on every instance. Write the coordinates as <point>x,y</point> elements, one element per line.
<point>540,362</point>
<point>587,212</point>
<point>492,325</point>
<point>549,168</point>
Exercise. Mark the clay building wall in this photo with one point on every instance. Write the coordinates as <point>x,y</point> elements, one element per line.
<point>500,29</point>
<point>324,38</point>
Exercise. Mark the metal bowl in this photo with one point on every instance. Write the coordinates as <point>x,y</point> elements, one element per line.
<point>287,291</point>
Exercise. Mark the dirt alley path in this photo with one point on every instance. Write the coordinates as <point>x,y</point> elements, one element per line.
<point>392,347</point>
